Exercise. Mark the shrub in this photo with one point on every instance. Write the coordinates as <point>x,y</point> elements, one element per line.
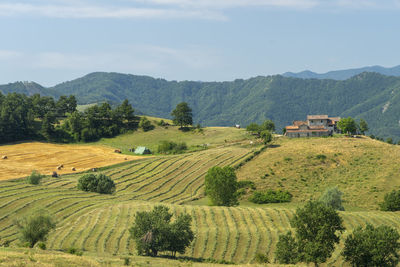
<point>391,201</point>
<point>332,197</point>
<point>34,178</point>
<point>145,124</point>
<point>75,251</point>
<point>42,245</point>
<point>246,184</point>
<point>35,227</point>
<point>169,147</point>
<point>271,196</point>
<point>321,157</point>
<point>96,183</point>
<point>261,258</point>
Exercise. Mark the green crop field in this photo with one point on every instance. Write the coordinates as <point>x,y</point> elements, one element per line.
<point>99,224</point>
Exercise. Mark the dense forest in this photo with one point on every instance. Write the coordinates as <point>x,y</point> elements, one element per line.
<point>371,96</point>
<point>43,118</point>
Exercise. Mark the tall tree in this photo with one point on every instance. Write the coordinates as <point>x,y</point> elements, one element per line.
<point>348,125</point>
<point>317,227</point>
<point>221,186</point>
<point>182,115</point>
<point>153,232</point>
<point>372,246</point>
<point>363,126</point>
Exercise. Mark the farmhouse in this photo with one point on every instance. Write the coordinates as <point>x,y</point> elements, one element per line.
<point>314,126</point>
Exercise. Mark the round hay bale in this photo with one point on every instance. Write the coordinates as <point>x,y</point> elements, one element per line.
<point>59,168</point>
<point>4,157</point>
<point>73,169</point>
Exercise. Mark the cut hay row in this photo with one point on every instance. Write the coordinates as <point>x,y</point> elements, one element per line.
<point>234,234</point>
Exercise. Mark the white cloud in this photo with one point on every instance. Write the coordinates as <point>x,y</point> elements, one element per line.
<point>96,11</point>
<point>9,54</point>
<point>236,3</point>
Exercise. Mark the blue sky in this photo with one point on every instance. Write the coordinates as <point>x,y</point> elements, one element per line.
<point>210,40</point>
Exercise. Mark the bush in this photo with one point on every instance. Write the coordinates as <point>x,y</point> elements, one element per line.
<point>391,201</point>
<point>145,124</point>
<point>271,196</point>
<point>261,258</point>
<point>35,227</point>
<point>74,251</point>
<point>169,147</point>
<point>96,183</point>
<point>246,184</point>
<point>372,246</point>
<point>34,178</point>
<point>332,197</point>
<point>42,245</point>
<point>321,157</point>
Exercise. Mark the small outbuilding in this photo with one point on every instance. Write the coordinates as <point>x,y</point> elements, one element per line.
<point>142,150</point>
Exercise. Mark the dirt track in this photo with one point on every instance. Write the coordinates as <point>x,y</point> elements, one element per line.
<point>43,157</point>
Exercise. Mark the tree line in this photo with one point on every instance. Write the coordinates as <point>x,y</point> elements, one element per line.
<point>44,118</point>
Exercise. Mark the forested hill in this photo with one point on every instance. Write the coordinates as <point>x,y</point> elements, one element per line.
<point>344,74</point>
<point>371,96</point>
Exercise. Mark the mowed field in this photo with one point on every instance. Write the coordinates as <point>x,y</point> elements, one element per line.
<point>23,158</point>
<point>364,169</point>
<point>99,224</point>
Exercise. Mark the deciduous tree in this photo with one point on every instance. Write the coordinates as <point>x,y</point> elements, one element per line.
<point>372,246</point>
<point>221,186</point>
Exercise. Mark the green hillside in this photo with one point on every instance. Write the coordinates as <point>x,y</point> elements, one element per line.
<point>371,96</point>
<point>364,169</point>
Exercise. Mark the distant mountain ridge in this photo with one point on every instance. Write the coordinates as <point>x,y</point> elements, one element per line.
<point>371,96</point>
<point>344,74</point>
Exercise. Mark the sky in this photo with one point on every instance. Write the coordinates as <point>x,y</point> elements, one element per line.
<point>50,42</point>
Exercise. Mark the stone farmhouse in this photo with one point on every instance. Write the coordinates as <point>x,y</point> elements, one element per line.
<point>314,126</point>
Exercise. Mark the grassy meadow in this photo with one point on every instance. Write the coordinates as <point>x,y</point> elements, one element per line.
<point>210,136</point>
<point>364,170</point>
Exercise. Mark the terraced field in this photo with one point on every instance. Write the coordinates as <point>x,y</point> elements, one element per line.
<point>100,223</point>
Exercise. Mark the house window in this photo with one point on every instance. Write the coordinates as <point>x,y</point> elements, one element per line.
<point>321,121</point>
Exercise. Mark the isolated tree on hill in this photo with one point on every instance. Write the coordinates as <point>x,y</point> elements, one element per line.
<point>145,124</point>
<point>363,126</point>
<point>332,197</point>
<point>372,246</point>
<point>266,136</point>
<point>268,125</point>
<point>153,232</point>
<point>221,186</point>
<point>182,115</point>
<point>391,201</point>
<point>253,128</point>
<point>35,227</point>
<point>348,125</point>
<point>316,227</point>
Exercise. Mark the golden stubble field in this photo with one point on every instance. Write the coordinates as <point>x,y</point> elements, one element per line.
<point>23,158</point>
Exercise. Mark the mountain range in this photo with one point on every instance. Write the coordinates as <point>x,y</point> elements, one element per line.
<point>344,74</point>
<point>371,96</point>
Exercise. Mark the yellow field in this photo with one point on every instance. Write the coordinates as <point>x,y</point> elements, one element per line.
<point>23,158</point>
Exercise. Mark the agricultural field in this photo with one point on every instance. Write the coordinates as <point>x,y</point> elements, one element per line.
<point>364,169</point>
<point>99,224</point>
<point>210,136</point>
<point>23,158</point>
